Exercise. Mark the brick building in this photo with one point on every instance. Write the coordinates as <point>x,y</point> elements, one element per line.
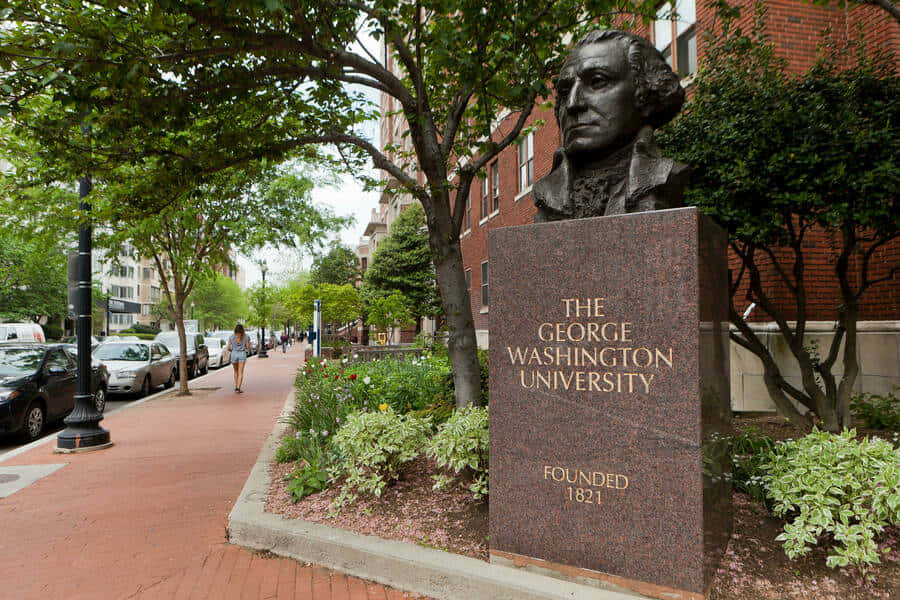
<point>503,198</point>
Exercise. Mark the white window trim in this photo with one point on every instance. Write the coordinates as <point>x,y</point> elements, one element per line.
<point>523,193</point>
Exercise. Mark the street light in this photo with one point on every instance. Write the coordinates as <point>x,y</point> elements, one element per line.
<point>262,345</point>
<point>83,431</point>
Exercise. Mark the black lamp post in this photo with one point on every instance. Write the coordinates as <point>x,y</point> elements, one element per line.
<point>83,431</point>
<point>262,345</point>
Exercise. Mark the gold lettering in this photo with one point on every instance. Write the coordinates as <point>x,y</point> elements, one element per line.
<point>646,382</point>
<point>579,381</point>
<point>591,356</point>
<point>598,306</point>
<point>606,336</point>
<point>608,381</point>
<point>618,478</point>
<point>534,357</point>
<point>594,478</point>
<point>541,332</point>
<point>603,360</point>
<point>568,301</point>
<point>522,379</point>
<point>547,469</point>
<point>519,355</point>
<point>636,360</point>
<point>660,355</point>
<point>572,338</point>
<point>545,381</point>
<point>592,329</point>
<point>594,381</point>
<point>626,331</point>
<point>562,473</point>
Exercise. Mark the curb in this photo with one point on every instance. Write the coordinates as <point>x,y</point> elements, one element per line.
<point>434,573</point>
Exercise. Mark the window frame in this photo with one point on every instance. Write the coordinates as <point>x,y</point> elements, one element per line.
<point>485,285</point>
<point>495,186</point>
<point>691,29</point>
<point>526,163</point>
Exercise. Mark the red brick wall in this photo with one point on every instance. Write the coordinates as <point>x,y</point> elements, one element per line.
<point>796,29</point>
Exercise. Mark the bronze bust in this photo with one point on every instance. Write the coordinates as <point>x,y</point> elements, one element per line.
<point>614,89</point>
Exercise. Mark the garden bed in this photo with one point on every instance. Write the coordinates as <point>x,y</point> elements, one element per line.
<point>754,566</point>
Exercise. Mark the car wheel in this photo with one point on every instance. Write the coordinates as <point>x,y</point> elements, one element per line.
<point>100,399</point>
<point>171,380</point>
<point>145,387</point>
<point>34,422</point>
<point>191,371</point>
<point>205,368</point>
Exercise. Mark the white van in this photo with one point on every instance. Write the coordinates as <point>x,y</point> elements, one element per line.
<point>21,332</point>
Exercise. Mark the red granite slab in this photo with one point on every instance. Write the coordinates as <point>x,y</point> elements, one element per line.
<point>609,393</point>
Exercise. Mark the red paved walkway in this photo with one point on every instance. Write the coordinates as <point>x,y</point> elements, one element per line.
<point>146,518</point>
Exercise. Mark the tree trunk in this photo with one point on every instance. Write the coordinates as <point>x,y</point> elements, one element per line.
<point>183,389</point>
<point>461,345</point>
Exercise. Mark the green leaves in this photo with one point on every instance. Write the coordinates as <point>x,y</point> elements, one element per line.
<point>461,446</point>
<point>833,484</point>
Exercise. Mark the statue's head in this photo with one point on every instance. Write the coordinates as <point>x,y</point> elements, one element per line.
<point>612,84</point>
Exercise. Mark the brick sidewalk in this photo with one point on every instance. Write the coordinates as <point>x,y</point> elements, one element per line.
<point>146,518</point>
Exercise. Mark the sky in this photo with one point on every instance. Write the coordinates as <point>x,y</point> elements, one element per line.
<point>345,199</point>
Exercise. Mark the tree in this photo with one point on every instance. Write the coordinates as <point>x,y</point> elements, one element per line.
<point>402,263</point>
<point>218,301</point>
<point>777,159</point>
<point>389,311</point>
<point>340,303</point>
<point>33,280</point>
<point>338,266</point>
<point>162,64</point>
<point>237,209</point>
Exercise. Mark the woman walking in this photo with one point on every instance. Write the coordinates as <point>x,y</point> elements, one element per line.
<point>239,345</point>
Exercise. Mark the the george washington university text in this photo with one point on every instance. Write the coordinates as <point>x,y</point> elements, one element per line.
<point>587,352</point>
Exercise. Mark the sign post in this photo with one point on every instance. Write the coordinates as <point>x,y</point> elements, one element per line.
<point>317,326</point>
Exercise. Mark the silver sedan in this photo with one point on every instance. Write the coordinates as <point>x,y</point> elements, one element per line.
<point>137,367</point>
<point>219,354</point>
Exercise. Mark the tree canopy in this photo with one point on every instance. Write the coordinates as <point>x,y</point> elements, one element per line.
<point>269,77</point>
<point>402,263</point>
<point>778,158</point>
<point>33,278</point>
<point>218,301</point>
<point>338,266</point>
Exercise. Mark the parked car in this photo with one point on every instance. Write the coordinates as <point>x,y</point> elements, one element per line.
<point>219,354</point>
<point>38,383</point>
<point>73,340</point>
<point>137,367</point>
<point>21,332</point>
<point>197,352</point>
<point>253,336</point>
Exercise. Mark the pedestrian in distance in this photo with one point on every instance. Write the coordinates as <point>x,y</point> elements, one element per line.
<point>239,346</point>
<point>284,342</point>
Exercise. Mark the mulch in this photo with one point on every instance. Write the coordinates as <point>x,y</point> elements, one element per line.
<point>754,566</point>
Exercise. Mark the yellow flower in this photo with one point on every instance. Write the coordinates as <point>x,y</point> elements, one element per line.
<point>382,407</point>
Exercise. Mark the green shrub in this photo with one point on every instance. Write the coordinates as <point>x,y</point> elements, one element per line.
<point>750,449</point>
<point>461,447</point>
<point>307,478</point>
<point>53,332</point>
<point>832,484</point>
<point>370,448</point>
<point>876,411</point>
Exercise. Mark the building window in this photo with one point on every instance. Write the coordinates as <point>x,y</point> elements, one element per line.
<point>484,283</point>
<point>675,20</point>
<point>147,273</point>
<point>145,309</point>
<point>495,186</point>
<point>364,263</point>
<point>526,162</point>
<point>468,211</point>
<point>122,291</point>
<point>154,293</point>
<point>485,197</point>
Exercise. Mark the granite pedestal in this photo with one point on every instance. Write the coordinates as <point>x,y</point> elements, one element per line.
<point>609,400</point>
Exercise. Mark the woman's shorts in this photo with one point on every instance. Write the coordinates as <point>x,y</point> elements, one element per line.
<point>238,356</point>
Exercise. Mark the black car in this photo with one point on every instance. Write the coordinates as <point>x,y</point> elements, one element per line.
<point>38,383</point>
<point>197,353</point>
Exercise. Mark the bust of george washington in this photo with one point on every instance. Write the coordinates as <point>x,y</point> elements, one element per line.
<point>614,89</point>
